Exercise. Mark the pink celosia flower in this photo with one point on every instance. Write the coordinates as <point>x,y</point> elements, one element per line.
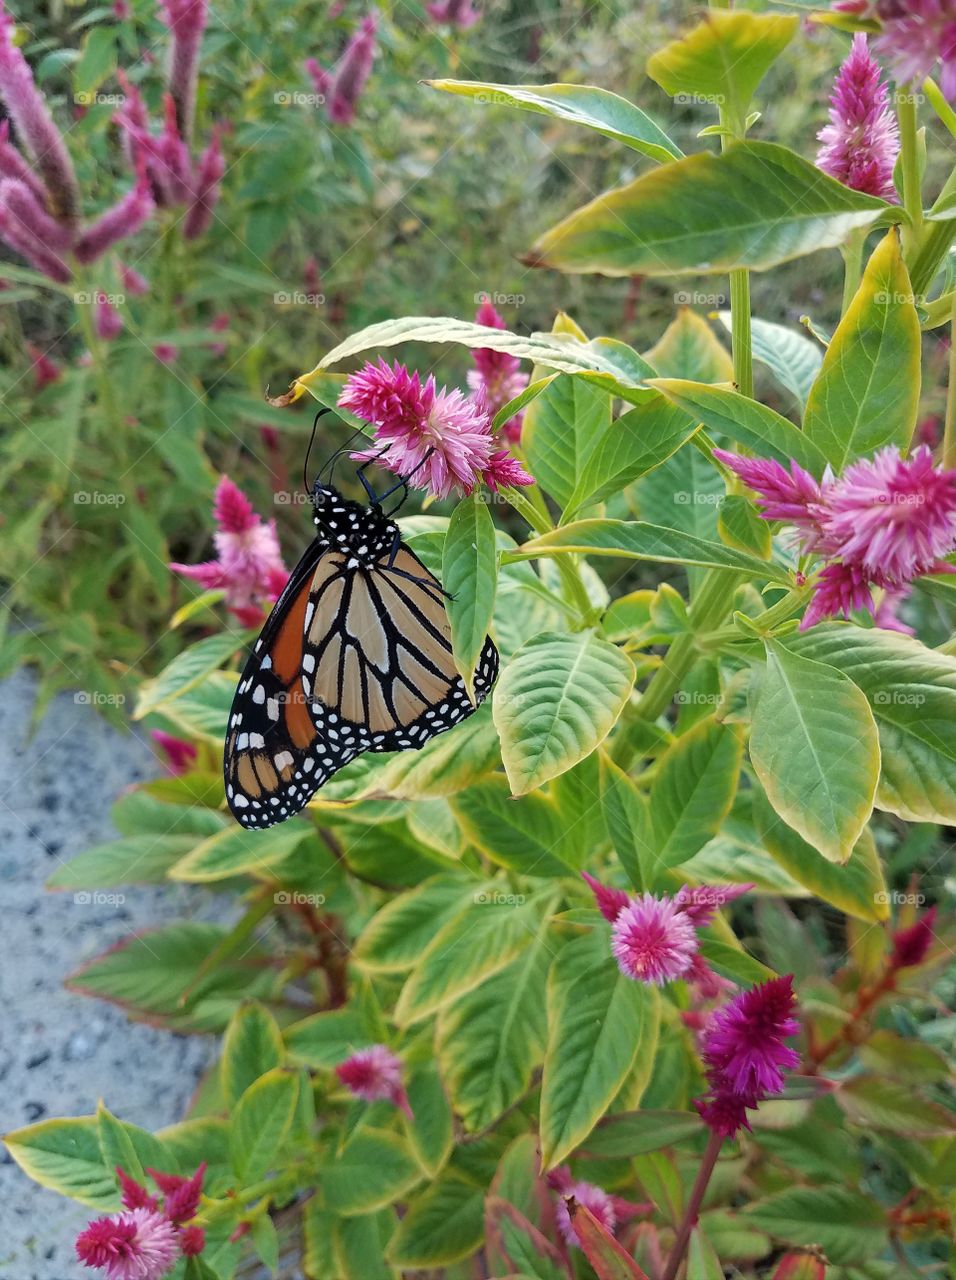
<point>181,1195</point>
<point>29,229</point>
<point>745,1055</point>
<point>885,521</point>
<point>915,34</point>
<point>456,13</point>
<point>208,176</point>
<point>375,1075</point>
<point>497,373</point>
<point>700,903</point>
<point>45,370</point>
<point>186,20</point>
<point>610,1211</point>
<point>36,132</point>
<point>911,945</point>
<point>192,1241</point>
<point>121,10</point>
<point>179,754</point>
<point>166,352</point>
<point>343,87</point>
<point>133,1194</point>
<point>610,902</point>
<point>439,440</point>
<point>133,283</point>
<point>124,219</point>
<point>139,1244</point>
<point>249,564</point>
<point>861,142</point>
<point>653,940</point>
<point>106,319</point>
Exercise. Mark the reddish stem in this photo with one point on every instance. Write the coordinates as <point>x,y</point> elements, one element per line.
<point>865,1001</point>
<point>692,1212</point>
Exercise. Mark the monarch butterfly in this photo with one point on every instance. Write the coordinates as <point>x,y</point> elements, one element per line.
<point>355,656</point>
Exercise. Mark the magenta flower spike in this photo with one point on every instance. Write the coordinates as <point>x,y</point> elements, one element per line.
<point>209,174</point>
<point>186,20</point>
<point>375,1075</point>
<point>454,13</point>
<point>745,1055</point>
<point>35,128</point>
<point>343,86</point>
<point>13,165</point>
<point>497,373</point>
<point>653,940</point>
<point>700,903</point>
<point>139,1244</point>
<point>610,902</point>
<point>861,142</point>
<point>124,219</point>
<point>133,283</point>
<point>916,34</point>
<point>911,945</point>
<point>107,320</point>
<point>16,200</point>
<point>180,754</point>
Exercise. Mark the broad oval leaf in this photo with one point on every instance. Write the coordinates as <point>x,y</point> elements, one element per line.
<point>815,747</point>
<point>252,1046</point>
<point>597,1023</point>
<point>560,432</point>
<point>373,1169</point>
<point>848,1225</point>
<point>235,850</point>
<point>755,205</point>
<point>260,1123</point>
<point>443,1224</point>
<point>555,702</point>
<point>469,576</point>
<point>65,1156</point>
<point>583,104</point>
<point>867,392</point>
<point>399,931</point>
<point>528,835</point>
<point>793,359</point>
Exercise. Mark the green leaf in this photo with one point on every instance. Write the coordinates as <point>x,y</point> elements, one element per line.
<point>560,432</point>
<point>491,1040</point>
<point>597,1023</point>
<point>867,392</point>
<point>793,359</point>
<point>467,951</point>
<point>912,691</point>
<point>234,851</point>
<point>848,1226</point>
<point>260,1123</point>
<point>728,413</point>
<point>740,525</point>
<point>265,1241</point>
<point>526,834</point>
<point>318,1228</point>
<point>692,794</point>
<point>442,1225</point>
<point>360,1245</point>
<point>65,1156</point>
<point>638,540</point>
<point>131,1148</point>
<point>252,1046</point>
<point>470,577</point>
<point>610,1260</point>
<point>632,1133</point>
<point>186,670</point>
<point>755,205</point>
<point>628,822</point>
<point>872,1102</point>
<point>143,859</point>
<point>903,1059</point>
<point>519,1244</point>
<point>430,1135</point>
<point>372,1170</point>
<point>702,1260</point>
<point>96,63</point>
<point>326,1039</point>
<point>556,700</point>
<point>732,962</point>
<point>582,104</point>
<point>689,348</point>
<point>815,747</point>
<point>633,445</point>
<point>857,887</point>
<point>611,365</point>
<point>723,58</point>
<point>396,935</point>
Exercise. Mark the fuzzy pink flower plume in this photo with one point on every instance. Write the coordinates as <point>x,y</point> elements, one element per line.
<point>745,1055</point>
<point>180,754</point>
<point>861,142</point>
<point>497,373</point>
<point>439,440</point>
<point>343,87</point>
<point>248,566</point>
<point>454,13</point>
<point>653,940</point>
<point>917,33</point>
<point>375,1075</point>
<point>884,522</point>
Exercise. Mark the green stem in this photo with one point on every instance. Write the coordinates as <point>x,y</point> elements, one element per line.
<point>910,168</point>
<point>937,238</point>
<point>740,331</point>
<point>949,431</point>
<point>785,609</point>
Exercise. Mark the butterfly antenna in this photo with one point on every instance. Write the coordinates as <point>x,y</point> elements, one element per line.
<point>308,452</point>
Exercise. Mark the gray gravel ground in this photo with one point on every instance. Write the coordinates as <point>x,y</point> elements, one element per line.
<point>60,1052</point>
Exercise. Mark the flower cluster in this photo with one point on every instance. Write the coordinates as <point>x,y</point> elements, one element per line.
<point>610,1211</point>
<point>438,439</point>
<point>180,754</point>
<point>248,566</point>
<point>145,1240</point>
<point>654,939</point>
<point>174,179</point>
<point>496,373</point>
<point>455,13</point>
<point>343,87</point>
<point>745,1055</point>
<point>861,142</point>
<point>40,214</point>
<point>914,35</point>
<point>885,521</point>
<point>375,1075</point>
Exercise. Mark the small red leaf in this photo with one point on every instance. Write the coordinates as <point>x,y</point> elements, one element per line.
<point>610,1260</point>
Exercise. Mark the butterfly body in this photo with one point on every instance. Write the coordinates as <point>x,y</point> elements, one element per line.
<point>355,656</point>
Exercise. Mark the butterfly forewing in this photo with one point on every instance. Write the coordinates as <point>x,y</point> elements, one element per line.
<point>356,656</point>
